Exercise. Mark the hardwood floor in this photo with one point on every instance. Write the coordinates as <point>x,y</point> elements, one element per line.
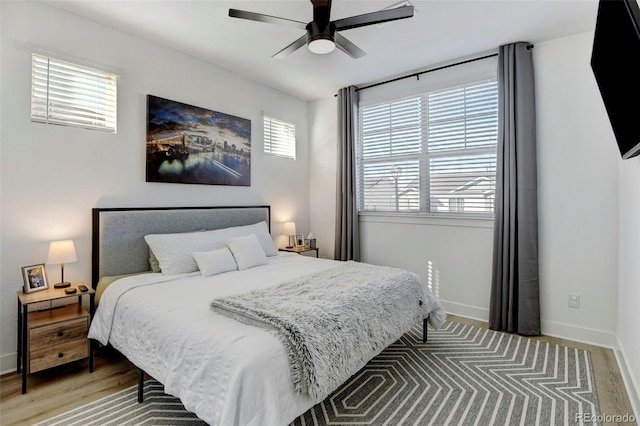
<point>64,388</point>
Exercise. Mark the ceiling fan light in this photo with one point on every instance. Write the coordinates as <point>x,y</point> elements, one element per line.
<point>321,46</point>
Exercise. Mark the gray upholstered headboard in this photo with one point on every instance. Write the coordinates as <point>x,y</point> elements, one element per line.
<point>118,245</point>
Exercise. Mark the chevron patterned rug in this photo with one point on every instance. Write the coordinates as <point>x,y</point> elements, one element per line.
<point>463,375</point>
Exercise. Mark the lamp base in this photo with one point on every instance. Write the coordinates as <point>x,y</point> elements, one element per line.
<point>62,285</point>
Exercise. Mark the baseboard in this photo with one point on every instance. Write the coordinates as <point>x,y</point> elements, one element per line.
<point>633,388</point>
<point>579,334</point>
<point>549,328</point>
<point>467,311</point>
<point>8,363</point>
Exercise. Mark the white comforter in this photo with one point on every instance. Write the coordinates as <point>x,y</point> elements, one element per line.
<point>226,372</point>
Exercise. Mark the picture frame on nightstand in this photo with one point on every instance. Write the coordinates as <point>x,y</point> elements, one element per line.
<point>299,240</point>
<point>35,278</point>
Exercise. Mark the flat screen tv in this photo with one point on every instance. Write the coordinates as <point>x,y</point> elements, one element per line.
<point>615,61</point>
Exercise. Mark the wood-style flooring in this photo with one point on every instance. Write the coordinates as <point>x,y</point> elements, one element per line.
<point>64,388</point>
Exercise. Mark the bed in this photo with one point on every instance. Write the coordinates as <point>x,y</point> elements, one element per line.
<point>189,329</point>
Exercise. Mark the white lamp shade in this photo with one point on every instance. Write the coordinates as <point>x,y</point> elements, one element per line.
<point>289,228</point>
<point>62,252</point>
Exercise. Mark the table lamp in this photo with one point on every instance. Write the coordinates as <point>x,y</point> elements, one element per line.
<point>290,230</point>
<point>62,252</point>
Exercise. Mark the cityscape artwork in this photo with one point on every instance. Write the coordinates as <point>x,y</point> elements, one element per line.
<point>189,144</point>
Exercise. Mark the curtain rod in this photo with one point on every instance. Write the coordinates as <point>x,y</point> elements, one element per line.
<point>418,74</point>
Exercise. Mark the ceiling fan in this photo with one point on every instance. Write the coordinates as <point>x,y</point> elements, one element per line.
<point>322,34</point>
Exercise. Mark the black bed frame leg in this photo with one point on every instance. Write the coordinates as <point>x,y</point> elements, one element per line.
<point>141,386</point>
<point>424,330</point>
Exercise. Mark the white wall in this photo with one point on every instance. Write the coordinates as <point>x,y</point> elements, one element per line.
<point>454,256</point>
<point>52,176</point>
<point>629,282</point>
<point>323,122</point>
<point>578,164</point>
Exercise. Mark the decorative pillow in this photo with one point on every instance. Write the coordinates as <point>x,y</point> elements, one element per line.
<point>247,251</point>
<point>173,251</point>
<point>215,261</point>
<point>261,231</point>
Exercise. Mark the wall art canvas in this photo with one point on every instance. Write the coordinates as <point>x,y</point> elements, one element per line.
<point>189,144</point>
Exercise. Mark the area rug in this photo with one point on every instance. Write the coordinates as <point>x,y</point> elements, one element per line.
<point>463,375</point>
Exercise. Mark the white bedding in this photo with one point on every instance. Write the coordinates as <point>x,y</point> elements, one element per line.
<point>226,372</point>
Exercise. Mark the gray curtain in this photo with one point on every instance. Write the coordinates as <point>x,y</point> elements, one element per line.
<point>347,235</point>
<point>515,302</point>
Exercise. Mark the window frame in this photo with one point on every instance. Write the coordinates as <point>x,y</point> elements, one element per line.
<point>268,145</point>
<point>73,95</point>
<point>424,157</point>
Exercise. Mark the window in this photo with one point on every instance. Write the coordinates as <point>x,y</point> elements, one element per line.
<point>430,153</point>
<point>279,138</point>
<point>72,95</point>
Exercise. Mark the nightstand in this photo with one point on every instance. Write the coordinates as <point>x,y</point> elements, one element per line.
<point>299,249</point>
<point>54,336</point>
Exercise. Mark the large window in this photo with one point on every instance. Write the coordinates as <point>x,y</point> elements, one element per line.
<point>430,153</point>
<point>72,95</point>
<point>279,138</point>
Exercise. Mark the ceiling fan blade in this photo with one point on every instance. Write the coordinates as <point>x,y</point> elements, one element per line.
<point>291,48</point>
<point>252,16</point>
<point>347,47</point>
<point>374,18</point>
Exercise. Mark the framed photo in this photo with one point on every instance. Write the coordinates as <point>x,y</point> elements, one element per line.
<point>35,278</point>
<point>299,240</point>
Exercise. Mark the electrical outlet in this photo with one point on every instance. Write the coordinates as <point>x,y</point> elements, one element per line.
<point>574,301</point>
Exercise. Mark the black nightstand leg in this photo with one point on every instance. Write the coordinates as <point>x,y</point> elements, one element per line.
<point>19,356</point>
<point>92,343</point>
<point>25,310</point>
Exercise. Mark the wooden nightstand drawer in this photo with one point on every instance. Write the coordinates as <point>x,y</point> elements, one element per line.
<point>55,334</point>
<point>58,355</point>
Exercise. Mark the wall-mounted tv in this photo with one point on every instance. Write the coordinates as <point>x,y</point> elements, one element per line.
<point>615,61</point>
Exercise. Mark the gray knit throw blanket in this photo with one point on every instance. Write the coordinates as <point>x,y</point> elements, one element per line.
<point>334,321</point>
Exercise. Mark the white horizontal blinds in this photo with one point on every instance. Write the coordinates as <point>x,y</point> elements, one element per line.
<point>462,130</point>
<point>430,153</point>
<point>72,95</point>
<point>390,150</point>
<point>279,138</point>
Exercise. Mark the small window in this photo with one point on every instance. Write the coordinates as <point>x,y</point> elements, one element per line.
<point>279,138</point>
<point>72,95</point>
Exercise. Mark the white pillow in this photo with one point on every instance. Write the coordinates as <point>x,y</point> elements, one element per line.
<point>174,251</point>
<point>261,232</point>
<point>215,261</point>
<point>247,251</point>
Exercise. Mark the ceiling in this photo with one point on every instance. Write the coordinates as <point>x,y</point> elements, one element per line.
<point>440,31</point>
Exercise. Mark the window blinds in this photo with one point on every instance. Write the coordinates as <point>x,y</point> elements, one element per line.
<point>72,95</point>
<point>430,153</point>
<point>279,138</point>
